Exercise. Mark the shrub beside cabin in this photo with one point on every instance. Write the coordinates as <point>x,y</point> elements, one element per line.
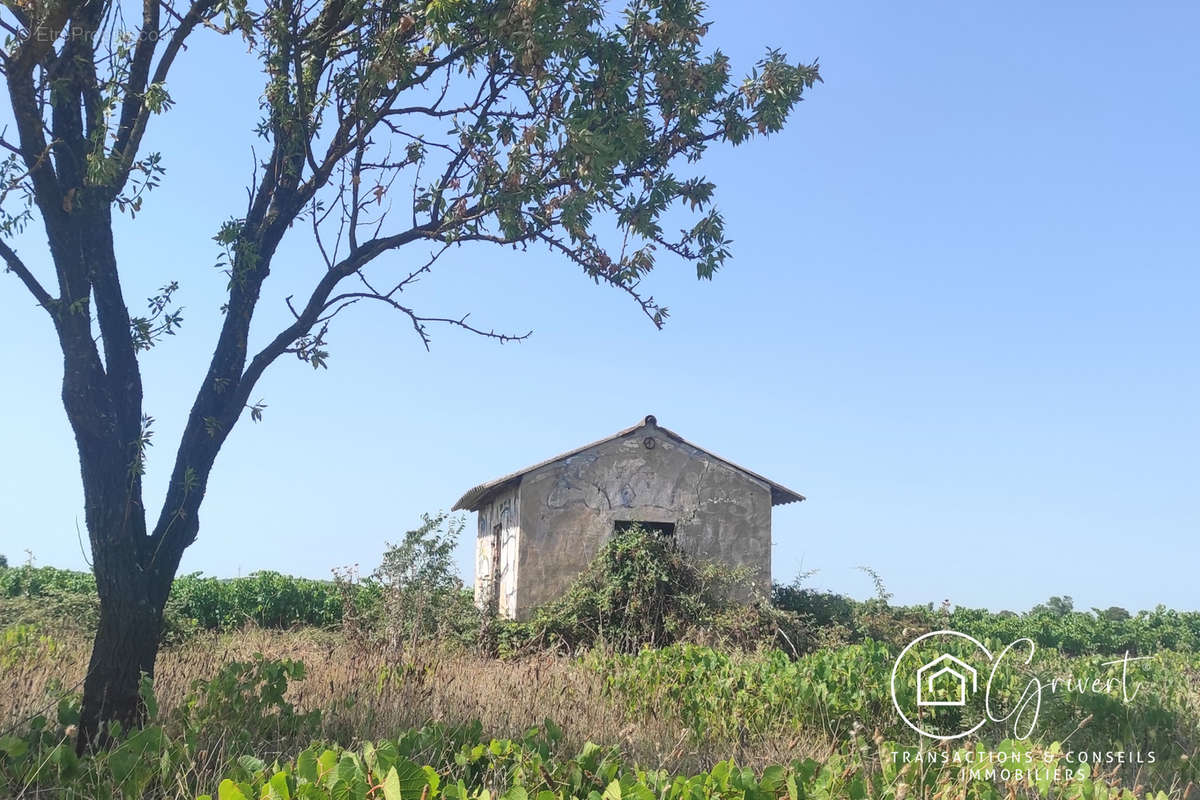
<point>540,527</point>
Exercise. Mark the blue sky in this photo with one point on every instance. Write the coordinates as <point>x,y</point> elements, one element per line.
<point>961,318</point>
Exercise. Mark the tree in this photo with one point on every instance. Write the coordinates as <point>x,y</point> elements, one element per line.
<point>550,123</point>
<point>1056,606</point>
<point>1112,614</point>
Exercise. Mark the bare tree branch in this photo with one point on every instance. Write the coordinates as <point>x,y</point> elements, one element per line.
<point>418,321</point>
<point>135,114</point>
<point>14,264</point>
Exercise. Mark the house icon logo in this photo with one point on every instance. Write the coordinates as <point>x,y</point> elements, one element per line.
<point>945,670</point>
<point>933,680</point>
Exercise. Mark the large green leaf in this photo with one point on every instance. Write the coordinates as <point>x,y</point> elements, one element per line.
<point>228,790</point>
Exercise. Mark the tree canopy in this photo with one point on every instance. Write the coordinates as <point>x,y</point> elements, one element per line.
<point>385,126</point>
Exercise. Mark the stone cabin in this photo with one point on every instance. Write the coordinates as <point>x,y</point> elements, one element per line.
<point>540,527</point>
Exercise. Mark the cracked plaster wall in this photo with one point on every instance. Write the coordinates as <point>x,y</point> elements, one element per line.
<point>568,508</point>
<point>503,510</point>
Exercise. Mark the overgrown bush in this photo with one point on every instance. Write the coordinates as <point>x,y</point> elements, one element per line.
<point>421,593</point>
<point>243,706</point>
<point>415,596</point>
<point>642,590</point>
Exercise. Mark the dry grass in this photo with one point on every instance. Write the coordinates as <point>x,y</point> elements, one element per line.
<point>344,682</point>
<point>362,695</point>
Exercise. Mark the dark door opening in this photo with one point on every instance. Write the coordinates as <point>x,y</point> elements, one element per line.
<point>662,528</point>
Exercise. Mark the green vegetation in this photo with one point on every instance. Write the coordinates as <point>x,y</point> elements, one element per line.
<point>241,734</point>
<point>265,598</point>
<point>642,591</point>
<point>458,764</point>
<point>722,696</point>
<point>639,591</point>
<point>1111,631</point>
<point>576,126</point>
<point>416,593</point>
<point>650,679</point>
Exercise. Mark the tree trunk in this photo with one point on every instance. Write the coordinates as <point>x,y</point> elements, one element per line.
<point>131,617</point>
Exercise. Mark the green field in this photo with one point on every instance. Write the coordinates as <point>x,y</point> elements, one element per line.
<point>641,683</point>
